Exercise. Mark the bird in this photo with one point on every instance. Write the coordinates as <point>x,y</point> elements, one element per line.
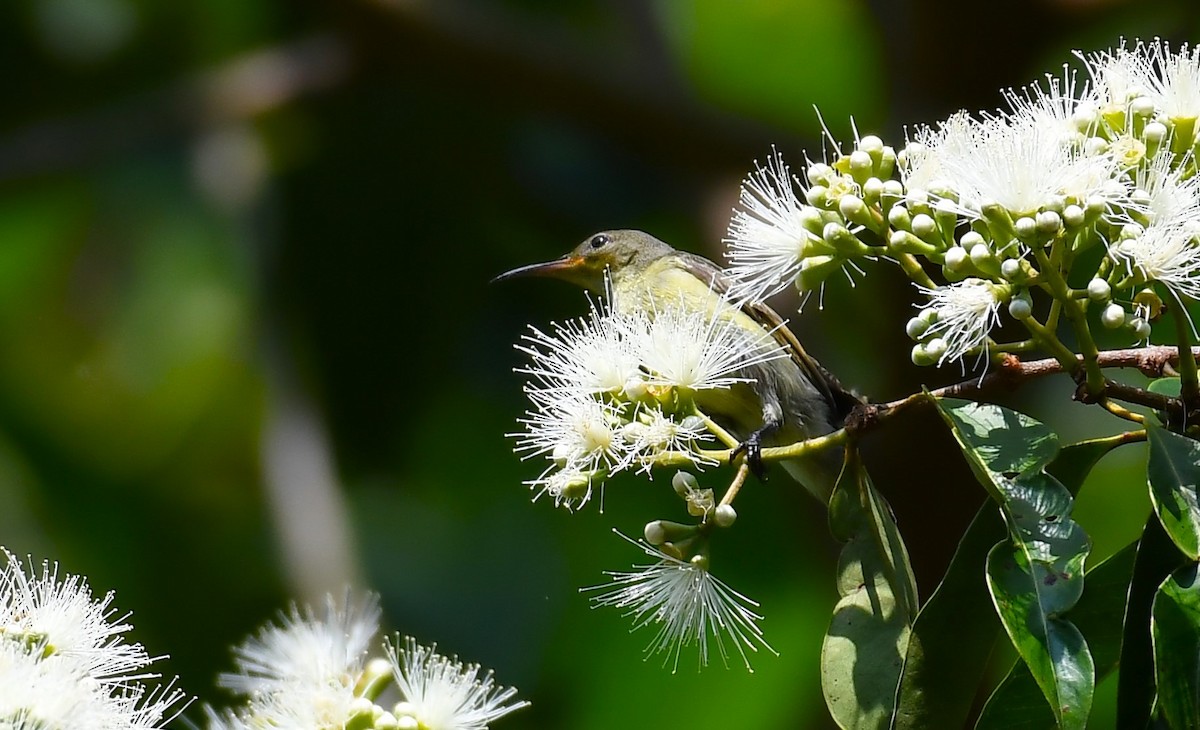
<point>784,400</point>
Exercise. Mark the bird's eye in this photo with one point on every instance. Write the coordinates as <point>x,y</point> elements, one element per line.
<point>599,241</point>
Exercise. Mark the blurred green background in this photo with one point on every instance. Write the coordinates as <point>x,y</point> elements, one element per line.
<point>250,352</point>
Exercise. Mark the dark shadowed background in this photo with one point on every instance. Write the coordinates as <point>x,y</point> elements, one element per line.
<point>250,352</point>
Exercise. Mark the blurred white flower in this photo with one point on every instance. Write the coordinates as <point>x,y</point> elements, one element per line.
<point>302,670</point>
<point>687,605</point>
<point>1175,88</point>
<point>768,240</point>
<point>577,432</point>
<point>1118,77</point>
<point>443,693</point>
<point>1167,253</point>
<point>966,312</point>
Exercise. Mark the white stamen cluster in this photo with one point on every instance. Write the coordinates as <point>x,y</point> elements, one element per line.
<point>615,389</point>
<point>64,661</point>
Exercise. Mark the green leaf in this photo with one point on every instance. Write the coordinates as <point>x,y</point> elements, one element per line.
<point>943,668</point>
<point>864,648</point>
<point>1157,557</point>
<point>1018,704</point>
<point>1166,386</point>
<point>1038,576</point>
<point>1174,473</point>
<point>1175,628</point>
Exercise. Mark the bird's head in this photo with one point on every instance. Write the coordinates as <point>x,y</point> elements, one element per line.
<point>620,253</point>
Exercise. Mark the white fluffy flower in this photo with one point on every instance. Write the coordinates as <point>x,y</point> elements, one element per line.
<point>768,239</point>
<point>966,312</point>
<point>443,693</point>
<point>1175,89</point>
<point>1166,253</point>
<point>1053,106</point>
<point>654,433</point>
<point>577,432</point>
<point>1118,77</point>
<point>702,350</point>
<point>1020,163</point>
<point>592,355</point>
<point>687,605</point>
<point>64,661</point>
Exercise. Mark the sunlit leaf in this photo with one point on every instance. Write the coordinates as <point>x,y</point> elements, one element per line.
<point>864,648</point>
<point>1038,576</point>
<point>1174,475</point>
<point>1175,627</point>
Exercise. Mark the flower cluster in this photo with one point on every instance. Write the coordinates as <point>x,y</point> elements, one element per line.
<point>310,670</point>
<point>64,661</point>
<point>617,389</point>
<point>1006,205</point>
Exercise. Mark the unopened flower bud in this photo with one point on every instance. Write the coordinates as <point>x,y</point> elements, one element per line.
<point>817,195</point>
<point>981,255</point>
<point>1143,106</point>
<point>1131,230</point>
<point>724,515</point>
<point>1073,215</point>
<point>899,218</point>
<point>893,189</point>
<point>819,173</point>
<point>654,533</point>
<point>852,206</point>
<point>1025,227</point>
<point>936,347</point>
<point>915,328</point>
<point>1141,328</point>
<point>1098,290</point>
<point>1011,269</point>
<point>860,163</point>
<point>871,144</point>
<point>1020,307</point>
<point>1154,133</point>
<point>1113,316</point>
<point>873,189</point>
<point>683,483</point>
<point>956,258</point>
<point>1095,146</point>
<point>1048,222</point>
<point>924,226</point>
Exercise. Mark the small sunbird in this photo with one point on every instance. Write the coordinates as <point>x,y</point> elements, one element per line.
<point>785,399</point>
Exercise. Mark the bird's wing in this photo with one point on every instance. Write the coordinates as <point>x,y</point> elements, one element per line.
<point>839,398</point>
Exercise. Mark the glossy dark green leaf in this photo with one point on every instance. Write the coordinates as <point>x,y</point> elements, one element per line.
<point>1157,557</point>
<point>943,668</point>
<point>1018,704</point>
<point>1037,577</point>
<point>864,649</point>
<point>1174,476</point>
<point>1166,386</point>
<point>1175,628</point>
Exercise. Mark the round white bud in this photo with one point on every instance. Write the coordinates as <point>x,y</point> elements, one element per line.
<point>1011,269</point>
<point>1142,106</point>
<point>872,188</point>
<point>915,328</point>
<point>1048,221</point>
<point>1131,230</point>
<point>981,254</point>
<point>893,188</point>
<point>898,217</point>
<point>956,258</point>
<point>1025,226</point>
<point>1113,316</point>
<point>817,195</point>
<point>1098,290</point>
<point>1095,146</point>
<point>1141,328</point>
<point>923,225</point>
<point>1020,307</point>
<point>819,173</point>
<point>871,144</point>
<point>1155,132</point>
<point>1073,215</point>
<point>936,347</point>
<point>684,482</point>
<point>860,161</point>
<point>852,206</point>
<point>970,239</point>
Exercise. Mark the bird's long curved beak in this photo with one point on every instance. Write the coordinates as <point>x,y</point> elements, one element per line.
<point>558,268</point>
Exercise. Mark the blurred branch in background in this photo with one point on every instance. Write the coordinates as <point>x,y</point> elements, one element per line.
<point>238,90</point>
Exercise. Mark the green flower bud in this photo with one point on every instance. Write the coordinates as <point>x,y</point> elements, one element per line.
<point>871,144</point>
<point>852,207</point>
<point>921,357</point>
<point>872,189</point>
<point>981,255</point>
<point>661,532</point>
<point>1113,316</point>
<point>970,239</point>
<point>861,164</point>
<point>1098,290</point>
<point>893,189</point>
<point>916,328</point>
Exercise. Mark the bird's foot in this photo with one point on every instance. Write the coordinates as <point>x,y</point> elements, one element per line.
<point>752,448</point>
